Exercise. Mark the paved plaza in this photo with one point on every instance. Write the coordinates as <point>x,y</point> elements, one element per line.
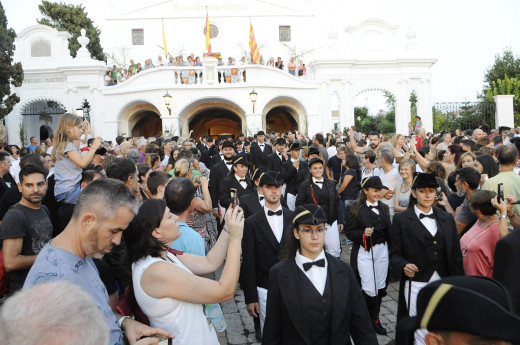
<point>240,329</point>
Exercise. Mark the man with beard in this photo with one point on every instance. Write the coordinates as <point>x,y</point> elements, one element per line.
<point>218,172</point>
<point>102,212</point>
<point>373,142</point>
<point>26,227</point>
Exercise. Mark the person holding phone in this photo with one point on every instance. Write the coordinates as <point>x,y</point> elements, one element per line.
<point>237,179</point>
<point>168,286</point>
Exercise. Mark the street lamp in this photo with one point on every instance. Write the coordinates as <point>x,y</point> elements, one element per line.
<point>167,98</point>
<point>253,96</point>
<point>80,113</point>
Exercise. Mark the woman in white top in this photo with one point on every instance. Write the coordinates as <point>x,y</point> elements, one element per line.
<point>369,168</point>
<point>168,286</point>
<point>404,188</point>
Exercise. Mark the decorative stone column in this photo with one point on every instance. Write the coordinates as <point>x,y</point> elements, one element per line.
<point>210,74</point>
<point>504,115</point>
<point>253,124</point>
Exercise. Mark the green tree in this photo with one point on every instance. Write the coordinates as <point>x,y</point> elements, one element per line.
<point>10,73</point>
<point>71,18</point>
<point>506,64</point>
<point>413,106</point>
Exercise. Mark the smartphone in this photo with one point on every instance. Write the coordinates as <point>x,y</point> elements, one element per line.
<point>101,151</point>
<point>439,193</point>
<point>234,196</point>
<point>168,341</point>
<point>500,192</point>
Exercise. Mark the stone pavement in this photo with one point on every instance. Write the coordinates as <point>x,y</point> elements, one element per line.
<point>240,329</point>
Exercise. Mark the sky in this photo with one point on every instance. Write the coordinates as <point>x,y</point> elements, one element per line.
<point>463,35</point>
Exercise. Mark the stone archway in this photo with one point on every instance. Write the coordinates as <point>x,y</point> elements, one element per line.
<point>284,113</point>
<point>215,122</point>
<point>147,124</point>
<point>280,119</point>
<point>140,118</point>
<point>212,116</point>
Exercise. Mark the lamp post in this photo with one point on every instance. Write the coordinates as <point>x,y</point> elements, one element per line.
<point>167,98</point>
<point>253,96</point>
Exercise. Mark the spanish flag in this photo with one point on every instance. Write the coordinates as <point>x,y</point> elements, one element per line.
<point>164,41</point>
<point>208,42</point>
<point>255,55</point>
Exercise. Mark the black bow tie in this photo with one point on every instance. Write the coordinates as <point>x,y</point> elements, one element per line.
<point>431,215</point>
<point>318,181</point>
<point>261,145</point>
<point>277,213</point>
<point>261,198</point>
<point>242,180</point>
<point>307,265</point>
<point>229,163</point>
<point>371,207</point>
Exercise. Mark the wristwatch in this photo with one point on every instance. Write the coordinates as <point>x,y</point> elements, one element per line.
<point>123,318</point>
<point>502,216</point>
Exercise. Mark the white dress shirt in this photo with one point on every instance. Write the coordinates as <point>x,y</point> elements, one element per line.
<point>275,222</point>
<point>318,184</point>
<point>262,201</point>
<point>374,209</point>
<point>242,183</point>
<point>317,275</point>
<point>429,223</point>
<point>262,146</point>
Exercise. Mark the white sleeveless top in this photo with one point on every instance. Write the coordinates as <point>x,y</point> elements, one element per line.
<point>185,320</point>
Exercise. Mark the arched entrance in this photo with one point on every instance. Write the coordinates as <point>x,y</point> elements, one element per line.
<point>146,124</point>
<point>45,132</point>
<point>280,120</point>
<point>215,122</point>
<point>139,118</point>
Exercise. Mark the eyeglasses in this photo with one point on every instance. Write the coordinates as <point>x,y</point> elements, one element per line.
<point>306,232</point>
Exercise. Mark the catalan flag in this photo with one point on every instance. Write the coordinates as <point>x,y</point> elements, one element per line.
<point>255,55</point>
<point>164,41</point>
<point>208,42</point>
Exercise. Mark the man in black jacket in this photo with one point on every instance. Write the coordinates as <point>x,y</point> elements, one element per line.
<point>218,172</point>
<point>275,160</point>
<point>264,233</point>
<point>260,150</point>
<point>294,172</point>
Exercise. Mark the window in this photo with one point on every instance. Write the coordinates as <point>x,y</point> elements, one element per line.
<point>40,47</point>
<point>138,37</point>
<point>285,33</point>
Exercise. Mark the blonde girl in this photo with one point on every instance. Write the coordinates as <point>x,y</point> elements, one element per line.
<point>68,162</point>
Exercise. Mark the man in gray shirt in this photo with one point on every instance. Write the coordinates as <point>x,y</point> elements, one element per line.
<point>104,209</point>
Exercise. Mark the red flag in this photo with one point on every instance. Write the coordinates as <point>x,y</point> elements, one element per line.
<point>255,54</point>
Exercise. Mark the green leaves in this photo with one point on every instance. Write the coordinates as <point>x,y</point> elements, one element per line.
<point>72,19</point>
<point>10,74</point>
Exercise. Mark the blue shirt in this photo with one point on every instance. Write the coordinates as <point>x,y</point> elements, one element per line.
<point>54,264</point>
<point>31,148</point>
<point>190,241</point>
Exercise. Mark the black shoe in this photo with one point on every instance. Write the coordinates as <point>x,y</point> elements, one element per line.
<point>379,328</point>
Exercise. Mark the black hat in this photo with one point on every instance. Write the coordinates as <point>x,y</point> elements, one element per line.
<point>280,141</point>
<point>227,143</point>
<point>423,180</point>
<point>315,160</point>
<point>247,143</point>
<point>474,305</point>
<point>257,173</point>
<point>240,159</point>
<point>271,178</point>
<point>311,214</point>
<point>209,139</point>
<point>260,133</point>
<point>295,145</point>
<point>372,182</point>
<point>314,151</point>
<point>240,135</point>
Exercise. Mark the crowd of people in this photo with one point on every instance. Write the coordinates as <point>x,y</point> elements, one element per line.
<point>120,229</point>
<point>117,75</point>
